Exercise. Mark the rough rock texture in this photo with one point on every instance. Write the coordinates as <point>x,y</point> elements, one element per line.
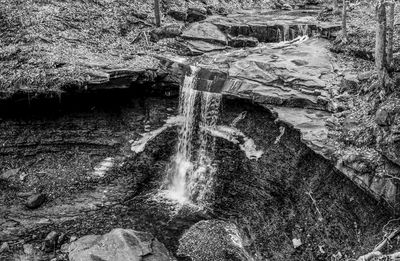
<point>177,14</point>
<point>388,132</point>
<point>213,240</point>
<point>206,32</point>
<point>166,31</point>
<point>290,75</point>
<point>272,26</point>
<point>299,82</point>
<point>119,245</point>
<point>35,201</point>
<point>289,193</point>
<point>296,76</point>
<point>195,14</point>
<point>58,150</point>
<point>247,28</point>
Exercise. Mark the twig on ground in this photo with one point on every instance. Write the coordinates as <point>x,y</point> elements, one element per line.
<point>145,36</point>
<point>320,218</point>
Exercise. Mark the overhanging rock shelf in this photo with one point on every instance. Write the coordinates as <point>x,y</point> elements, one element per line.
<point>297,82</point>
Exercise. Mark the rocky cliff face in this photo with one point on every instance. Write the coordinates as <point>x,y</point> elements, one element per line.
<point>304,86</point>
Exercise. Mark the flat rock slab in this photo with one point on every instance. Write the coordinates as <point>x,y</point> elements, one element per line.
<point>206,32</point>
<point>296,75</point>
<point>201,47</point>
<point>290,75</point>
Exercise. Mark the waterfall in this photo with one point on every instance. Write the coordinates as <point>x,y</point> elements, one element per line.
<point>303,29</point>
<point>287,33</point>
<point>201,180</point>
<point>190,173</point>
<point>286,36</point>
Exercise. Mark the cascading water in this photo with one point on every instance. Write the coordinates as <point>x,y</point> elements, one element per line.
<point>288,33</point>
<point>201,180</point>
<point>303,29</point>
<point>190,174</point>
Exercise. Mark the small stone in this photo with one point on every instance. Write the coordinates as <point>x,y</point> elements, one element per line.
<point>241,41</point>
<point>140,15</point>
<point>9,173</point>
<point>61,239</point>
<point>50,242</point>
<point>25,194</point>
<point>296,242</point>
<point>23,176</point>
<point>64,248</point>
<point>349,84</point>
<point>177,14</point>
<point>166,31</point>
<point>365,76</point>
<point>28,249</point>
<point>72,239</point>
<point>4,247</point>
<point>35,201</point>
<point>382,117</point>
<point>195,14</point>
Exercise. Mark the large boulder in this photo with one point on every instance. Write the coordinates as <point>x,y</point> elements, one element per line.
<point>213,240</point>
<point>205,32</point>
<point>119,245</point>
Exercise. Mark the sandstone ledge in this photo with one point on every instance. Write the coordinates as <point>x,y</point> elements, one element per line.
<point>296,81</point>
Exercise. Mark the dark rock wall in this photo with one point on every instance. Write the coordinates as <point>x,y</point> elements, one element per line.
<point>290,193</point>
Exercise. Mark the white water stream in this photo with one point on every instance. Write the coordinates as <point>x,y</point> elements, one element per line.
<point>190,174</point>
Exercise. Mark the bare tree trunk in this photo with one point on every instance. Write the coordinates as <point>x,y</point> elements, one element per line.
<point>157,12</point>
<point>344,22</point>
<point>380,44</point>
<point>390,29</point>
<point>335,7</point>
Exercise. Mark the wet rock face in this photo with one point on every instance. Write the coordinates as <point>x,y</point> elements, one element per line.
<point>119,245</point>
<point>289,193</point>
<point>213,240</point>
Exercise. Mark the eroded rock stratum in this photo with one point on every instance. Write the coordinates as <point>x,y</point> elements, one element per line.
<point>300,82</point>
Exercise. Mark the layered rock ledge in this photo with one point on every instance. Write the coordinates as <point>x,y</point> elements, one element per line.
<point>249,28</point>
<point>299,82</point>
